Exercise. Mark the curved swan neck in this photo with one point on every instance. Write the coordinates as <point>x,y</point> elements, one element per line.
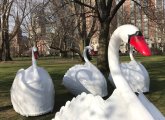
<point>119,80</point>
<point>131,53</point>
<point>85,54</point>
<point>34,62</point>
<point>34,67</point>
<point>114,65</point>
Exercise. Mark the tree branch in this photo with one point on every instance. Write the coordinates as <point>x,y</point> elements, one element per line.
<point>83,4</point>
<point>114,11</point>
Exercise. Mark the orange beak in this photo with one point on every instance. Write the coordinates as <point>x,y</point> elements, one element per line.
<point>140,44</point>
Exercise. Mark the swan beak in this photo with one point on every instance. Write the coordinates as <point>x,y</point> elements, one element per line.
<point>36,54</point>
<point>140,45</point>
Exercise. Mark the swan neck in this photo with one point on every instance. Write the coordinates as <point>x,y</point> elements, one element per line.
<point>85,55</point>
<point>113,54</point>
<point>34,62</point>
<point>119,80</point>
<point>131,53</point>
<point>114,64</point>
<point>34,67</point>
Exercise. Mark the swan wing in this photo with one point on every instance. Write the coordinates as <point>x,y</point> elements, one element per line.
<point>143,69</point>
<point>124,67</point>
<point>119,107</point>
<point>90,107</point>
<point>71,83</point>
<point>83,107</point>
<point>85,78</point>
<point>93,80</point>
<point>136,76</point>
<point>20,71</point>
<point>139,76</point>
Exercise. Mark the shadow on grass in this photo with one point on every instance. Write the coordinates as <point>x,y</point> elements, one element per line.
<point>3,108</point>
<point>157,75</point>
<point>61,93</point>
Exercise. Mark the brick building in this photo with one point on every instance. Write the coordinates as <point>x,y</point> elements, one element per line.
<point>129,12</point>
<point>19,44</point>
<point>146,19</point>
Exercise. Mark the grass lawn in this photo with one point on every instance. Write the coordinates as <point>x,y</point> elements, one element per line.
<point>57,68</point>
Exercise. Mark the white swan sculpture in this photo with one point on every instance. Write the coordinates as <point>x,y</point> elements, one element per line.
<point>123,104</point>
<point>32,91</point>
<point>85,78</point>
<point>135,74</point>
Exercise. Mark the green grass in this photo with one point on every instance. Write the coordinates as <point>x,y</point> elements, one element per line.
<point>57,68</point>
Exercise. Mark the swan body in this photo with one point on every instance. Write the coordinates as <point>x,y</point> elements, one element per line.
<point>85,78</point>
<point>32,92</point>
<point>136,75</point>
<point>90,107</point>
<point>123,104</point>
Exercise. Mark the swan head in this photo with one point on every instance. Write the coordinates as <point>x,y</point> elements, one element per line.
<point>89,48</point>
<point>132,35</point>
<point>35,52</point>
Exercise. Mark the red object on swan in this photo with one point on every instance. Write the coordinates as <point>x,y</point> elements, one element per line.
<point>140,45</point>
<point>36,54</point>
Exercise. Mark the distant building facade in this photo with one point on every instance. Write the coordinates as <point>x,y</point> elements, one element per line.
<point>45,31</point>
<point>131,13</point>
<point>19,44</point>
<point>39,31</point>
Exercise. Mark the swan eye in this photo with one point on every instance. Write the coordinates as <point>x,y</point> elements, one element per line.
<point>138,33</point>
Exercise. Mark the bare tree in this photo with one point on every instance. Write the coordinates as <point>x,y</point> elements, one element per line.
<point>65,38</point>
<point>105,11</point>
<point>35,20</point>
<point>86,24</point>
<point>5,11</point>
<point>155,13</point>
<point>6,35</point>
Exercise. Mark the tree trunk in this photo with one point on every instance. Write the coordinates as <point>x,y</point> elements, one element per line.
<point>7,56</point>
<point>1,51</point>
<point>1,45</point>
<point>81,46</point>
<point>64,54</point>
<point>102,60</point>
